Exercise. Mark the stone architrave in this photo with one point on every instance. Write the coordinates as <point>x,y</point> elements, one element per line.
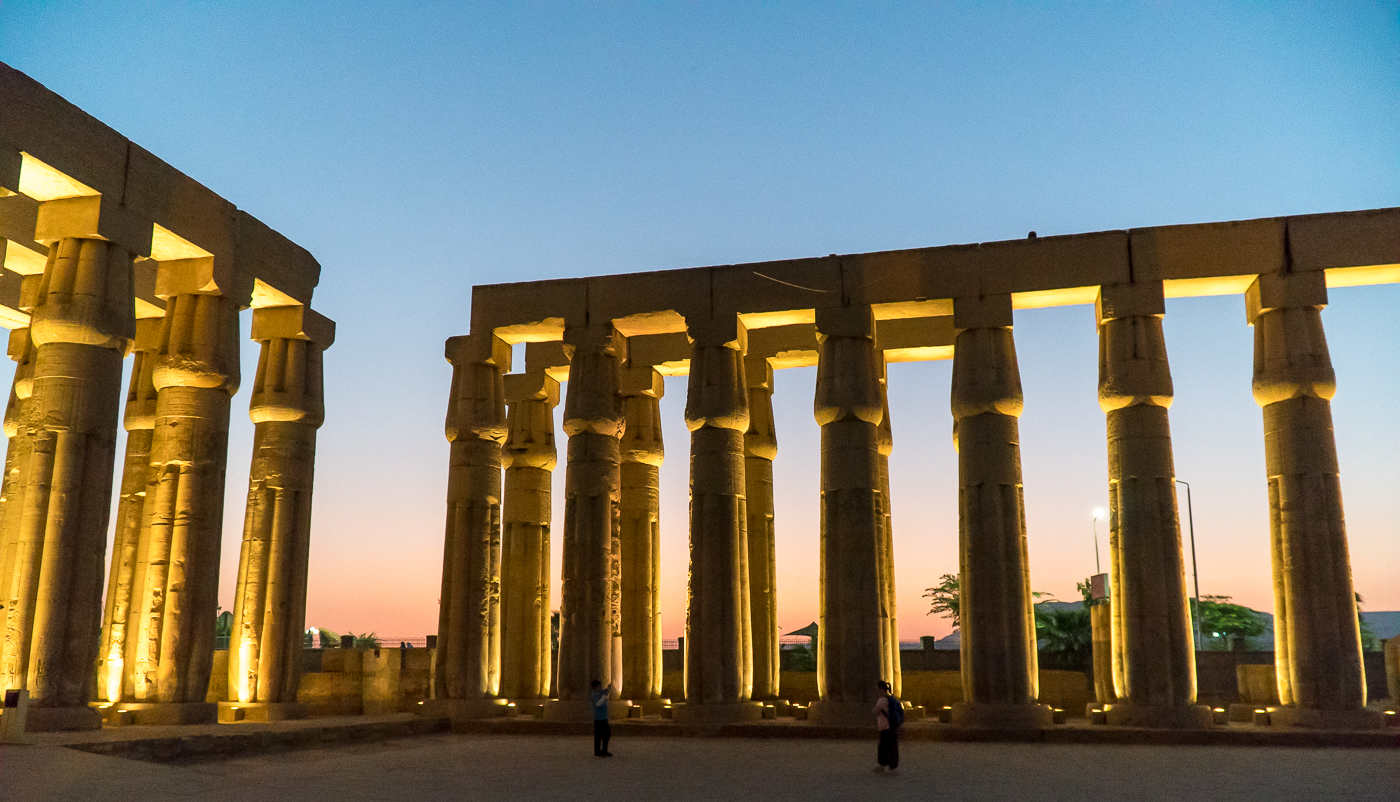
<point>1154,662</point>
<point>760,449</point>
<point>529,457</point>
<point>140,421</point>
<point>594,423</point>
<point>718,641</point>
<point>1317,639</point>
<point>885,441</point>
<point>639,513</point>
<point>467,674</point>
<point>999,661</point>
<point>269,606</point>
<point>853,652</point>
<point>20,425</point>
<point>170,637</point>
<point>81,326</point>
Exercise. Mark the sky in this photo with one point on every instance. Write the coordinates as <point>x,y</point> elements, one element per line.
<point>420,149</point>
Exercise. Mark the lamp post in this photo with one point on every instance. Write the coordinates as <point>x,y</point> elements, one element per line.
<point>1195,576</point>
<point>1098,513</point>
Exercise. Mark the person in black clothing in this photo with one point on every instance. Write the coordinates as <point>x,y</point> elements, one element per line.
<point>602,730</point>
<point>888,720</point>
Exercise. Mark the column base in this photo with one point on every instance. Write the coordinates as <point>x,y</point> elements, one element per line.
<point>723,713</point>
<point>842,714</point>
<point>62,719</point>
<point>650,707</point>
<point>582,709</point>
<point>463,709</point>
<point>1161,717</point>
<point>149,713</point>
<point>1305,717</point>
<point>988,714</point>
<point>231,712</point>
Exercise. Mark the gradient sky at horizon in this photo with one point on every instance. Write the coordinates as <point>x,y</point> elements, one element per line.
<point>419,151</point>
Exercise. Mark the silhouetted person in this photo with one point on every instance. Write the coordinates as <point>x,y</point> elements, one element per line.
<point>602,730</point>
<point>889,716</point>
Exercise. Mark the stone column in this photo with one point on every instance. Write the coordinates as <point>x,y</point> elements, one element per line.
<point>140,421</point>
<point>20,425</point>
<point>853,652</point>
<point>468,657</point>
<point>1317,640</point>
<point>81,326</point>
<point>529,457</point>
<point>269,605</point>
<point>718,658</point>
<point>593,420</point>
<point>760,448</point>
<point>196,372</point>
<point>1153,650</point>
<point>639,507</point>
<point>999,662</point>
<point>885,443</point>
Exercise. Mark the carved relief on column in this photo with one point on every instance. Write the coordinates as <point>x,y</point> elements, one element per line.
<point>760,448</point>
<point>999,661</point>
<point>468,646</point>
<point>1316,635</point>
<point>639,508</point>
<point>139,420</point>
<point>529,457</point>
<point>589,636</point>
<point>20,425</point>
<point>718,656</point>
<point>80,327</point>
<point>885,443</point>
<point>196,373</point>
<point>852,653</point>
<point>287,407</point>
<point>1154,666</point>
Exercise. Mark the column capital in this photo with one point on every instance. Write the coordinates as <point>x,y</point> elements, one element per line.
<point>982,312</point>
<point>293,323</point>
<point>531,387</point>
<point>1130,300</point>
<point>1272,291</point>
<point>483,349</point>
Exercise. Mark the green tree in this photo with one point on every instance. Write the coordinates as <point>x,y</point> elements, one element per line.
<point>366,641</point>
<point>944,598</point>
<point>803,659</point>
<point>1369,641</point>
<point>1229,624</point>
<point>1066,637</point>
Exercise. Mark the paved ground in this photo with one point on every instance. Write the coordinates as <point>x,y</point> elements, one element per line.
<point>523,768</point>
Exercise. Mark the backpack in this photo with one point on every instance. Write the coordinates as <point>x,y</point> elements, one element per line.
<point>894,712</point>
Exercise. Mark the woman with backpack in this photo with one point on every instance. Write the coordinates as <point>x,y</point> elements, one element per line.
<point>889,716</point>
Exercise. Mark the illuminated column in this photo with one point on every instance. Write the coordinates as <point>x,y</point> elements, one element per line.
<point>885,443</point>
<point>20,425</point>
<point>140,421</point>
<point>639,509</point>
<point>1317,640</point>
<point>468,647</point>
<point>718,662</point>
<point>269,606</point>
<point>1153,651</point>
<point>80,327</point>
<point>196,372</point>
<point>594,422</point>
<point>999,665</point>
<point>529,457</point>
<point>760,448</point>
<point>852,652</point>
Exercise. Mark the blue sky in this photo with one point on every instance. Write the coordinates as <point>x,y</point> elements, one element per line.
<point>419,151</point>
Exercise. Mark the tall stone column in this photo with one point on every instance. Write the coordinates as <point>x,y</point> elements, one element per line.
<point>999,661</point>
<point>1153,651</point>
<point>718,641</point>
<point>589,632</point>
<point>760,448</point>
<point>80,327</point>
<point>885,443</point>
<point>639,508</point>
<point>529,457</point>
<point>20,425</point>
<point>468,647</point>
<point>853,652</point>
<point>139,420</point>
<point>269,605</point>
<point>196,372</point>
<point>1317,640</point>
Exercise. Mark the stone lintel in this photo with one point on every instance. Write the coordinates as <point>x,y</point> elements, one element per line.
<point>982,312</point>
<point>640,380</point>
<point>11,161</point>
<point>293,323</point>
<point>845,321</point>
<point>1130,300</point>
<point>1284,291</point>
<point>480,349</point>
<point>1344,239</point>
<point>910,333</point>
<point>1208,250</point>
<point>531,387</point>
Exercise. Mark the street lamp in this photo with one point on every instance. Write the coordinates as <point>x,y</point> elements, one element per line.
<point>1098,513</point>
<point>1195,576</point>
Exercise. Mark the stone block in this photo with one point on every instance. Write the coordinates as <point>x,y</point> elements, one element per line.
<point>332,694</point>
<point>531,387</point>
<point>982,312</point>
<point>639,296</point>
<point>293,323</point>
<point>1046,264</point>
<point>1130,300</point>
<point>536,311</point>
<point>349,661</point>
<point>1258,684</point>
<point>1245,247</point>
<point>174,201</point>
<point>39,122</point>
<point>640,380</point>
<point>152,713</point>
<point>218,678</point>
<point>779,288</point>
<point>1344,239</point>
<point>917,334</point>
<point>282,265</point>
<point>718,331</point>
<point>845,321</point>
<point>89,217</point>
<point>547,357</point>
<point>1284,291</point>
